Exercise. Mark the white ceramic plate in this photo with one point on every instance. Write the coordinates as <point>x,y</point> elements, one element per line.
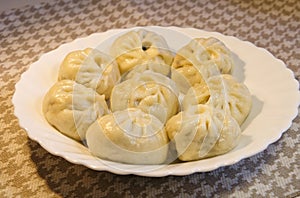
<point>275,101</point>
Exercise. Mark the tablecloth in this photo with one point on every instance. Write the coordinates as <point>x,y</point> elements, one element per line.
<point>28,170</point>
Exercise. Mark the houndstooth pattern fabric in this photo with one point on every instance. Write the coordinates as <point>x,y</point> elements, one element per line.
<point>28,170</point>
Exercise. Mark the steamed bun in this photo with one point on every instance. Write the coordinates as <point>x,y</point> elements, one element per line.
<point>92,69</point>
<point>208,133</point>
<point>200,59</point>
<point>128,136</point>
<point>71,108</point>
<point>218,53</point>
<point>151,92</point>
<point>221,92</point>
<point>142,47</point>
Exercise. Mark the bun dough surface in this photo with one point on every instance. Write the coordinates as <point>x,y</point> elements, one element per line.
<point>140,48</point>
<point>151,92</point>
<point>219,53</point>
<point>208,133</point>
<point>200,59</point>
<point>92,69</point>
<point>129,136</point>
<point>152,66</point>
<point>221,92</point>
<point>71,108</point>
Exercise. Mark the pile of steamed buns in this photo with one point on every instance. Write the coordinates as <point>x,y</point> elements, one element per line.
<point>144,103</point>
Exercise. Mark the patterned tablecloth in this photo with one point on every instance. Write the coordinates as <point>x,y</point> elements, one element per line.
<point>27,170</point>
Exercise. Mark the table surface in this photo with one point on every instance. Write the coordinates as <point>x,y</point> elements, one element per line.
<point>28,170</point>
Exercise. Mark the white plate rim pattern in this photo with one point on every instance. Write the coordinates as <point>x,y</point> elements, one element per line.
<point>276,98</point>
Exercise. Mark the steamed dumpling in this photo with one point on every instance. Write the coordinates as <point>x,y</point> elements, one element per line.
<point>198,60</point>
<point>235,94</point>
<point>187,64</point>
<point>219,53</point>
<point>207,133</point>
<point>221,92</point>
<point>151,92</point>
<point>92,69</point>
<point>71,108</point>
<point>139,48</point>
<point>129,136</point>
